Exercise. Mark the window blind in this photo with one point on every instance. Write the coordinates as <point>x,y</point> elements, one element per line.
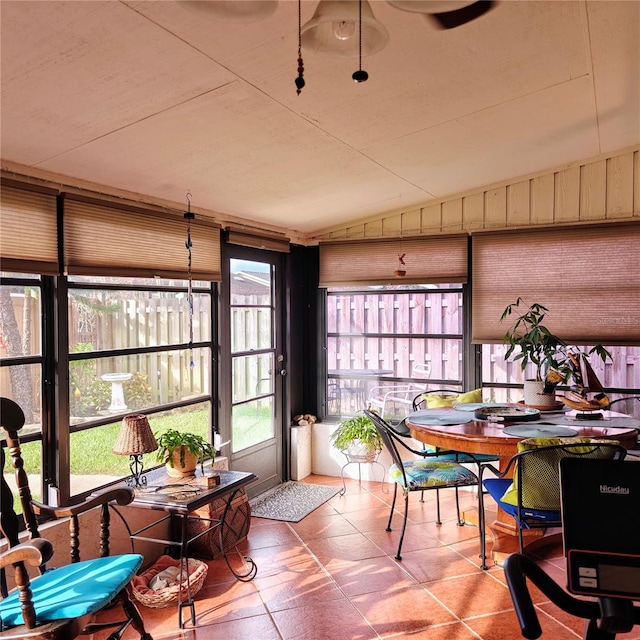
<point>105,239</point>
<point>28,231</point>
<point>255,239</point>
<point>588,277</point>
<point>441,259</point>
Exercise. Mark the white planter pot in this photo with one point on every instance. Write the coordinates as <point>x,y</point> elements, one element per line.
<point>534,397</point>
<point>358,451</point>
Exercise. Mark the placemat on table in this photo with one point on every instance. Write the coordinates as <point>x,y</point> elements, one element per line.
<point>439,417</point>
<point>539,431</point>
<point>614,422</point>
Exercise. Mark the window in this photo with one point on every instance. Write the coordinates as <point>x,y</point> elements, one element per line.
<point>22,359</point>
<point>589,279</point>
<point>121,308</point>
<point>620,376</point>
<point>408,337</point>
<point>128,352</point>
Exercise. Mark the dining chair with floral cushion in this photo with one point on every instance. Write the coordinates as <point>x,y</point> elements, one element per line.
<point>440,398</point>
<point>427,471</point>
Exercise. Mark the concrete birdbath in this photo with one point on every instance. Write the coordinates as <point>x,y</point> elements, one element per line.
<point>117,393</point>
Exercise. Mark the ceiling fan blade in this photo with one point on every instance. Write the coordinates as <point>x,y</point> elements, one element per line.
<point>458,17</point>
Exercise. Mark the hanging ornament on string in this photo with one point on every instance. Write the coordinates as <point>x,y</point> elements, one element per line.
<point>360,75</point>
<point>300,78</point>
<point>189,216</point>
<point>400,272</point>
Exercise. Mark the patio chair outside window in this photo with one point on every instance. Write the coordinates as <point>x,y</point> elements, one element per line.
<point>393,401</point>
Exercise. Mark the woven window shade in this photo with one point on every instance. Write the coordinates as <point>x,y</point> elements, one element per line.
<point>588,278</point>
<point>28,231</point>
<point>106,240</point>
<point>434,260</point>
<point>257,240</point>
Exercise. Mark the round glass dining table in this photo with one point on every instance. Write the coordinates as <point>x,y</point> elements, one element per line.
<point>440,428</point>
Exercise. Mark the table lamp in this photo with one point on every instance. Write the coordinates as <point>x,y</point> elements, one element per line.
<point>134,439</point>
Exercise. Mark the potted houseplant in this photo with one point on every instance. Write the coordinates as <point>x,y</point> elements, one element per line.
<point>182,451</point>
<point>553,359</point>
<point>358,439</point>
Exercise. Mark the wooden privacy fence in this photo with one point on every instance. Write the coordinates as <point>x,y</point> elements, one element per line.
<point>160,321</point>
<point>390,331</point>
<point>148,322</point>
<point>396,331</point>
<point>417,336</point>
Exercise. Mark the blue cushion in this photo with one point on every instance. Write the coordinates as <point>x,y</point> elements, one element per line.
<point>74,590</point>
<point>432,473</point>
<point>497,487</point>
<point>468,458</point>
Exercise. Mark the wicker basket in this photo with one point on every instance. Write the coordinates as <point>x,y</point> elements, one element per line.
<point>234,530</point>
<point>170,595</point>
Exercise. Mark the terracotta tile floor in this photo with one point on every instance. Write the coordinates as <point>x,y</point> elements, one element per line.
<point>333,576</point>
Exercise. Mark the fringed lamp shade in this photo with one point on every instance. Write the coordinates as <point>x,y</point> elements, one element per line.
<point>135,438</point>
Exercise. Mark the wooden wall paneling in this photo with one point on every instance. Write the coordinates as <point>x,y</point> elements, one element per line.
<point>495,208</point>
<point>410,222</point>
<point>392,226</point>
<point>473,212</point>
<point>619,186</point>
<point>607,188</point>
<point>431,217</point>
<point>542,200</point>
<point>360,230</point>
<point>593,191</point>
<point>452,215</point>
<point>518,204</point>
<point>567,195</point>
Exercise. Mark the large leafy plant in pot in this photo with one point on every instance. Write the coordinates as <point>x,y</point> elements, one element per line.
<point>358,439</point>
<point>532,342</point>
<point>182,451</point>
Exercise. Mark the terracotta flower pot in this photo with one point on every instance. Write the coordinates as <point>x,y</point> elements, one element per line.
<point>179,470</point>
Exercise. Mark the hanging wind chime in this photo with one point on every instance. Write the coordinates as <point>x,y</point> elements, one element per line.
<point>300,78</point>
<point>188,216</point>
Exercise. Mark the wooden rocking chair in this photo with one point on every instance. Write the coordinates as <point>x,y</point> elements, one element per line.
<point>58,604</point>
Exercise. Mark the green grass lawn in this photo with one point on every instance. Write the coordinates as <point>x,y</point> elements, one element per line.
<point>91,449</point>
